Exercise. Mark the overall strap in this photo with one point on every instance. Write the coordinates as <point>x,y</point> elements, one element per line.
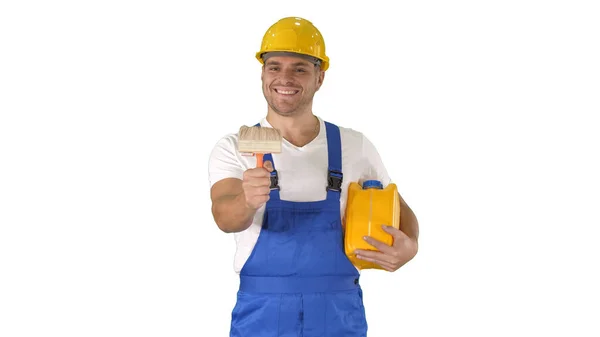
<point>334,153</point>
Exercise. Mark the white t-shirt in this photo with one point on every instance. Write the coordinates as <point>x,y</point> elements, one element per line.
<point>302,173</point>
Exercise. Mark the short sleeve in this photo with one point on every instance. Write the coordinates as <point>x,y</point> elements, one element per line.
<point>373,167</point>
<point>224,162</point>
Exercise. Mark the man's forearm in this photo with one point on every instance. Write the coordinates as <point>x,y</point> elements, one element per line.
<point>231,213</point>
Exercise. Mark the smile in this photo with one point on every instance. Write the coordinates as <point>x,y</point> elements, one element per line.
<point>286,92</point>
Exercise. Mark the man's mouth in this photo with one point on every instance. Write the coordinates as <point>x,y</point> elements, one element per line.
<point>288,92</point>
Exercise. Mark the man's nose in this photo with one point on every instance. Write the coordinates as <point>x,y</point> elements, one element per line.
<point>287,77</point>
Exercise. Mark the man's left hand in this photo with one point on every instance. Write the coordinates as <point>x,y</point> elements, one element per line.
<point>390,258</point>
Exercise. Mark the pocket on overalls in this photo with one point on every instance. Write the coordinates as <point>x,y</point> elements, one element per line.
<point>346,314</point>
<point>281,243</point>
<point>254,315</point>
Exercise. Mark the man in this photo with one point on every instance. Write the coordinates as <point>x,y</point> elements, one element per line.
<point>295,279</point>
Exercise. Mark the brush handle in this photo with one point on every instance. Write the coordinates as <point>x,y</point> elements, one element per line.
<point>259,159</point>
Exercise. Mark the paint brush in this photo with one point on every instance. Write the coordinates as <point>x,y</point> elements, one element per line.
<point>256,140</point>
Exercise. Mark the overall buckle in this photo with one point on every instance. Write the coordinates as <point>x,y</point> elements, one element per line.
<point>334,180</point>
<point>274,180</point>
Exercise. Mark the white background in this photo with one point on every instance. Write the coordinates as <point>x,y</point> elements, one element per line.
<point>484,113</point>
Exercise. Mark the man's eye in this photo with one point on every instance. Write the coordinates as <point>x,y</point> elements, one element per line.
<point>273,68</point>
<point>301,70</point>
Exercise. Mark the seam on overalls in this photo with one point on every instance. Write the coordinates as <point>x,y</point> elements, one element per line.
<point>326,300</point>
<point>279,313</point>
<point>302,321</point>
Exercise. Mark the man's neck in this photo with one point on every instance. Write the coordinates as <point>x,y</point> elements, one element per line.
<point>298,129</point>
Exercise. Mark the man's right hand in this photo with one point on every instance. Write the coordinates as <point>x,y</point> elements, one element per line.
<point>256,185</point>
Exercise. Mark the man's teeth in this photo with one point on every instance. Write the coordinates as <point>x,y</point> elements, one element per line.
<point>286,92</point>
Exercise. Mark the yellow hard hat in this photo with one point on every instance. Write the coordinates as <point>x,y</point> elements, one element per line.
<point>295,35</point>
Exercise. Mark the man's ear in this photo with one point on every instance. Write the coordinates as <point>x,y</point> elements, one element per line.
<point>320,79</point>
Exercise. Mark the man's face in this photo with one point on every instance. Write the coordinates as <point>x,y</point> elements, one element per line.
<point>290,83</point>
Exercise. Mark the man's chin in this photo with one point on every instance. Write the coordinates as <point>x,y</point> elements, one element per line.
<point>284,113</point>
<point>289,111</point>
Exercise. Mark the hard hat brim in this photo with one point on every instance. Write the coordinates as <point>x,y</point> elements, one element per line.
<point>324,63</point>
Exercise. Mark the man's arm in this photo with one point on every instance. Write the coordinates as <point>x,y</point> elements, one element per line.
<point>229,207</point>
<point>408,221</point>
<point>235,201</point>
<point>236,193</point>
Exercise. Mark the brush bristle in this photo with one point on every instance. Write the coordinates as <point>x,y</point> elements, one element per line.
<point>255,139</point>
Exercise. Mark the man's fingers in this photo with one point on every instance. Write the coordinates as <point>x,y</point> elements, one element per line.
<point>257,191</point>
<point>259,172</point>
<point>396,233</point>
<point>384,264</point>
<point>268,165</point>
<point>374,255</point>
<point>257,177</point>
<point>263,199</point>
<point>257,201</point>
<point>382,247</point>
<point>263,182</point>
<point>262,174</point>
<point>262,191</point>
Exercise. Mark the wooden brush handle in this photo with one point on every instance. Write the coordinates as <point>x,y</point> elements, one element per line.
<point>259,159</point>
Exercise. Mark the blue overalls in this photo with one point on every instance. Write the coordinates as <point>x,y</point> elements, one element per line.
<point>297,281</point>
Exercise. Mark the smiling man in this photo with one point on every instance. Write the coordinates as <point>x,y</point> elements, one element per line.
<point>295,279</point>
